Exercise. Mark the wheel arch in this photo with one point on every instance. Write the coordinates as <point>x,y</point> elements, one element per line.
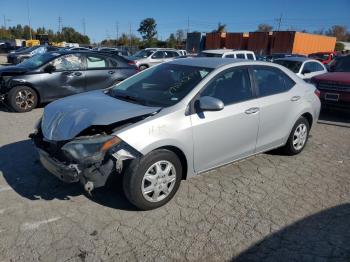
<point>308,116</point>
<point>26,84</point>
<point>181,155</point>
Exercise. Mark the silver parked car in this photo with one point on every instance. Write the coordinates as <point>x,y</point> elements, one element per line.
<point>174,121</point>
<point>153,56</point>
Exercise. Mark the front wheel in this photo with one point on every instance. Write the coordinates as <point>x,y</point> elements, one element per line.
<point>154,180</point>
<point>298,137</point>
<point>22,98</point>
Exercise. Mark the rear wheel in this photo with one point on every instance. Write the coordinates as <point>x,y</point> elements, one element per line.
<point>298,137</point>
<point>22,98</point>
<point>154,180</point>
<point>143,67</point>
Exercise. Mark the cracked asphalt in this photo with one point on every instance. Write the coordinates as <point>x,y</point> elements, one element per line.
<point>265,208</point>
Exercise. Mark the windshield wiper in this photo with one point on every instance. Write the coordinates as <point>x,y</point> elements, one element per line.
<point>127,97</point>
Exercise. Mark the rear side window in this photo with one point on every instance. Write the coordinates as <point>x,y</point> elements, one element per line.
<point>250,57</point>
<point>158,55</point>
<point>230,56</point>
<point>240,56</point>
<point>96,62</point>
<point>313,67</point>
<point>271,81</point>
<point>231,86</point>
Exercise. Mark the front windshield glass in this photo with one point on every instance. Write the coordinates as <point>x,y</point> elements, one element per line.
<point>144,53</point>
<point>38,60</point>
<point>291,65</point>
<point>162,85</point>
<point>319,56</point>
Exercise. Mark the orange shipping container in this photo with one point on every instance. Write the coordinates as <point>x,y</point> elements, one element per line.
<point>301,43</point>
<point>308,43</point>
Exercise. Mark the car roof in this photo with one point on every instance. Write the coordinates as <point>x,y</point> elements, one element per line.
<point>223,51</point>
<point>295,59</point>
<point>213,62</point>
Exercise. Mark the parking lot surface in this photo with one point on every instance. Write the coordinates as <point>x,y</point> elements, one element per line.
<point>268,207</point>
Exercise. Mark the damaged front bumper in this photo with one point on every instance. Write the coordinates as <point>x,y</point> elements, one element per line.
<point>92,174</point>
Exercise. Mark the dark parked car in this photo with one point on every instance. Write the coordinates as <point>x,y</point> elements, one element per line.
<point>335,85</point>
<point>20,56</point>
<point>49,76</point>
<point>271,58</point>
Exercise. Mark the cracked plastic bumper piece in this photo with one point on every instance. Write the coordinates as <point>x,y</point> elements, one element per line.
<point>68,174</point>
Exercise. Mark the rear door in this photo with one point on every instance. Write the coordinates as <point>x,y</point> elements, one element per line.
<point>223,136</point>
<point>67,79</point>
<point>277,99</point>
<point>100,72</point>
<point>157,58</point>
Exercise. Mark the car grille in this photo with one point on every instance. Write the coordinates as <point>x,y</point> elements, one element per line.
<point>334,86</point>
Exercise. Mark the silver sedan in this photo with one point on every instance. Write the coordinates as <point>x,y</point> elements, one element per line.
<point>174,121</point>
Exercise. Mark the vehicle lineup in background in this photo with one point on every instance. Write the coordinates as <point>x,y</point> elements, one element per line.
<point>153,56</point>
<point>228,53</point>
<point>173,121</point>
<point>25,53</point>
<point>53,75</point>
<point>303,67</point>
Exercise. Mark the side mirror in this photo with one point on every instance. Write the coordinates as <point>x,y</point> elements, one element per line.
<point>49,69</point>
<point>305,71</point>
<point>208,103</point>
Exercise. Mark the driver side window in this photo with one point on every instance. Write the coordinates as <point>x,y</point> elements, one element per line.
<point>68,62</point>
<point>231,86</point>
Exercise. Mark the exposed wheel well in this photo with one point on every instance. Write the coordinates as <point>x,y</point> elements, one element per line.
<point>308,117</point>
<point>182,158</point>
<point>145,65</point>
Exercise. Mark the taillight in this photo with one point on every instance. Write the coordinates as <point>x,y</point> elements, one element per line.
<point>317,92</point>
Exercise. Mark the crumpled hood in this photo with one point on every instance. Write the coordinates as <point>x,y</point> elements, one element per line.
<point>67,117</point>
<point>12,70</point>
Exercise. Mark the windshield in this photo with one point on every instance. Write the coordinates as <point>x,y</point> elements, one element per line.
<point>144,53</point>
<point>162,85</point>
<point>291,65</point>
<point>319,56</point>
<point>38,60</point>
<point>340,65</point>
<point>204,54</point>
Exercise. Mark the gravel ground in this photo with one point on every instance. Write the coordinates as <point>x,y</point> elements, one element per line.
<point>266,208</point>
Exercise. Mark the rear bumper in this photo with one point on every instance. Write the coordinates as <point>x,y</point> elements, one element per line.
<point>335,99</point>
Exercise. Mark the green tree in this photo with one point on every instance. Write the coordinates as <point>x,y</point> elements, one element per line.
<point>264,28</point>
<point>171,41</point>
<point>148,30</point>
<point>220,29</point>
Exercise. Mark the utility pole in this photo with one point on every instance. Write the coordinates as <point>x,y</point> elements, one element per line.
<point>130,35</point>
<point>188,24</point>
<point>84,26</point>
<point>59,24</point>
<point>279,21</point>
<point>117,30</point>
<point>30,28</point>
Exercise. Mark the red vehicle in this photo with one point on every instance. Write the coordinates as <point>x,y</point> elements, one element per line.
<point>335,86</point>
<point>323,57</point>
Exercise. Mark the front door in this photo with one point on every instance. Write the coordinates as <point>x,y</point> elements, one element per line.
<point>223,136</point>
<point>67,79</point>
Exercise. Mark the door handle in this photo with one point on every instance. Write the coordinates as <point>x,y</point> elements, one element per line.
<point>78,73</point>
<point>252,110</point>
<point>111,72</point>
<point>295,98</point>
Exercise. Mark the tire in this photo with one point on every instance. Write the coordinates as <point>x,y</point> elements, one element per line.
<point>22,98</point>
<point>143,67</point>
<point>134,180</point>
<point>293,147</point>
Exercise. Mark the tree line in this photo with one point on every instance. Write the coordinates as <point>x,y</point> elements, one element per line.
<point>67,34</point>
